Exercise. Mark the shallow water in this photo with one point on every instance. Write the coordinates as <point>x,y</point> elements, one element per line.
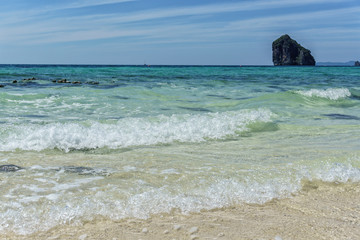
<point>150,140</point>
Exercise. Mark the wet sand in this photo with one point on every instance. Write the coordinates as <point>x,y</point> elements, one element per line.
<point>319,211</point>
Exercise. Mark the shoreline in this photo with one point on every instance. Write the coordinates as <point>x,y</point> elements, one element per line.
<point>319,211</point>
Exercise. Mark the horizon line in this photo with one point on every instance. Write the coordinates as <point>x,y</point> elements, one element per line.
<point>336,64</point>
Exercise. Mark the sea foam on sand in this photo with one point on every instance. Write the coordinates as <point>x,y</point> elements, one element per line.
<point>319,211</point>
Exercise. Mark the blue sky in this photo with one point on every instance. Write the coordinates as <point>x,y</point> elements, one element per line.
<point>173,31</point>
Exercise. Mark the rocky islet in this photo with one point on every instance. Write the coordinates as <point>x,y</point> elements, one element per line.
<point>287,52</point>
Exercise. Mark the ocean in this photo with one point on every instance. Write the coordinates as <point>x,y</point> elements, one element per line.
<point>117,142</point>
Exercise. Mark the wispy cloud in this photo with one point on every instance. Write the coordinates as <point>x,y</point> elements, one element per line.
<point>91,3</point>
<point>162,13</point>
<point>201,10</point>
<point>187,24</point>
<point>34,13</point>
<point>80,28</point>
<point>331,17</point>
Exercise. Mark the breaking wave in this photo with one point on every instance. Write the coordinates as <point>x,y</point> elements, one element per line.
<point>129,132</point>
<point>330,93</point>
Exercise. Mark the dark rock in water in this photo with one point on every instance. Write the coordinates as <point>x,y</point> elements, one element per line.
<point>29,79</point>
<point>76,82</point>
<point>9,168</point>
<point>54,81</point>
<point>15,81</point>
<point>219,96</point>
<point>63,81</point>
<point>33,116</point>
<point>93,83</point>
<point>84,171</point>
<point>121,97</point>
<point>79,170</point>
<point>287,51</point>
<point>199,109</point>
<point>1,86</point>
<point>357,64</point>
<point>341,116</point>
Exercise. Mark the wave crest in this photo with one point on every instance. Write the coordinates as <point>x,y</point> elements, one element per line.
<point>330,93</point>
<point>129,132</point>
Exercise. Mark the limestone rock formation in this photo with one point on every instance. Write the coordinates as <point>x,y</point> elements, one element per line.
<point>287,51</point>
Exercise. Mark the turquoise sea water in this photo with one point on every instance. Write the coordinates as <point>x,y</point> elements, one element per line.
<point>131,141</point>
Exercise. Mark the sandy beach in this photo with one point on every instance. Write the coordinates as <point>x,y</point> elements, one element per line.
<point>179,120</point>
<point>319,211</point>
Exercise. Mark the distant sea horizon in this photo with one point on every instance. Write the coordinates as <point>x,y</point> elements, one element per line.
<point>318,64</point>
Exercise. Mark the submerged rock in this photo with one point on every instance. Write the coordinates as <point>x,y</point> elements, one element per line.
<point>29,79</point>
<point>341,116</point>
<point>9,168</point>
<point>63,81</point>
<point>78,170</point>
<point>1,86</point>
<point>84,171</point>
<point>287,51</point>
<point>93,83</point>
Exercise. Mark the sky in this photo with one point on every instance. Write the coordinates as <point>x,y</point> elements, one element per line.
<point>174,32</point>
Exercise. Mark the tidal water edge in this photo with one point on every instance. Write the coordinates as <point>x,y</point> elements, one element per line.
<point>115,142</point>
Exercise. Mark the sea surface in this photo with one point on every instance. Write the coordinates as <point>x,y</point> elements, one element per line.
<point>131,141</point>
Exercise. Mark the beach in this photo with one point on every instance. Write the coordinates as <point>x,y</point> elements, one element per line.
<point>179,120</point>
<point>319,211</point>
<point>179,152</point>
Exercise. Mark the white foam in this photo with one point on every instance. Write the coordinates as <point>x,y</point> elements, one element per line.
<point>74,184</point>
<point>337,172</point>
<point>129,168</point>
<point>330,93</point>
<point>60,204</point>
<point>36,102</point>
<point>130,131</point>
<point>170,171</point>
